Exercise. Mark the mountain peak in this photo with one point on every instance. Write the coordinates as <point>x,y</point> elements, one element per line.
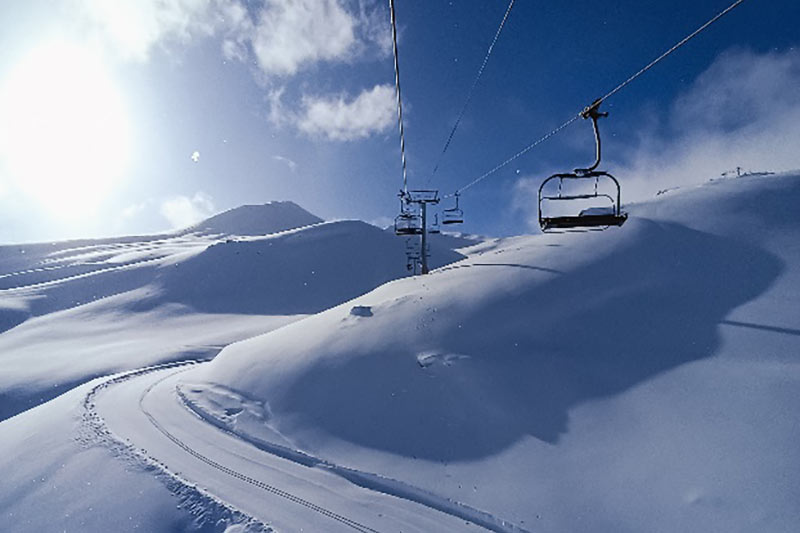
<point>262,219</point>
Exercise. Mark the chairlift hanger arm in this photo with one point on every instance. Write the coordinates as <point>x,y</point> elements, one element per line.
<point>593,112</point>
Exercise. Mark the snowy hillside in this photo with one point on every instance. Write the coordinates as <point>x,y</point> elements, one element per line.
<point>300,271</point>
<point>74,310</point>
<point>644,378</point>
<point>634,379</point>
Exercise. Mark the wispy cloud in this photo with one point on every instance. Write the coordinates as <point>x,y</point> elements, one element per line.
<point>287,36</point>
<point>340,119</point>
<point>291,34</point>
<point>373,28</point>
<point>133,29</point>
<point>382,222</point>
<point>183,211</point>
<point>137,209</point>
<point>280,38</point>
<point>744,111</point>
<point>291,164</point>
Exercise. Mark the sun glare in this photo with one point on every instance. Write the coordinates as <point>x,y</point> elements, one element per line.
<point>64,137</point>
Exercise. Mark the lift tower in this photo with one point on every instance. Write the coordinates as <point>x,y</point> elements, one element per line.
<point>409,223</point>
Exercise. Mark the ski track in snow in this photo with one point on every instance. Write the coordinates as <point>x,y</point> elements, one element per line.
<point>96,259</point>
<point>208,507</point>
<point>367,480</point>
<point>58,281</point>
<point>247,479</point>
<point>200,503</point>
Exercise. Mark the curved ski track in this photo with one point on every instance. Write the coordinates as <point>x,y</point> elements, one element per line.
<point>247,479</point>
<point>96,429</point>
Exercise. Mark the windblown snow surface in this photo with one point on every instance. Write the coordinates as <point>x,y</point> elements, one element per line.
<point>638,379</point>
<point>644,378</point>
<point>71,311</point>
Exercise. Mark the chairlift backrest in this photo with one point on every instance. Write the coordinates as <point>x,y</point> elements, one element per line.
<point>428,196</point>
<point>453,215</point>
<point>408,224</point>
<point>435,228</point>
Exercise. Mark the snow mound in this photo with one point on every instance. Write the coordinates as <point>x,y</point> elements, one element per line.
<point>542,328</point>
<point>70,311</point>
<point>264,219</point>
<point>595,371</point>
<point>295,272</point>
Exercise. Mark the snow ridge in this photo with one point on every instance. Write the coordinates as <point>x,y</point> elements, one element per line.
<point>366,480</point>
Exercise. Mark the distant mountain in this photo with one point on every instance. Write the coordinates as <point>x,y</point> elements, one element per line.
<point>263,219</point>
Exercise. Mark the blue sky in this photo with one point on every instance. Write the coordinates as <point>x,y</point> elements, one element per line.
<point>103,104</point>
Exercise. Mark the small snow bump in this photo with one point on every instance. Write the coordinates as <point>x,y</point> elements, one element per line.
<point>361,310</point>
<point>426,359</point>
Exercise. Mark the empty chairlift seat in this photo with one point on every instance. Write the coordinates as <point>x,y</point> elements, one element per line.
<point>584,199</point>
<point>606,214</point>
<point>454,215</point>
<point>408,224</point>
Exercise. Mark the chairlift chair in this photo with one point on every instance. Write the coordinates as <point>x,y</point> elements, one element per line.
<point>407,222</point>
<point>435,228</point>
<point>453,215</point>
<point>595,217</point>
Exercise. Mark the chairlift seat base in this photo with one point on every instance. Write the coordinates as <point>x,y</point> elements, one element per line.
<point>584,221</point>
<point>408,231</point>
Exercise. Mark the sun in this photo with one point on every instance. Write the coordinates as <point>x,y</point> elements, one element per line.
<point>64,129</point>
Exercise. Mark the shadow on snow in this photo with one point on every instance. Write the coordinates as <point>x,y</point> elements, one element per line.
<point>535,354</point>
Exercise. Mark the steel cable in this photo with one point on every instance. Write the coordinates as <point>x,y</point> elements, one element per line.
<point>399,97</point>
<point>472,89</point>
<point>611,93</point>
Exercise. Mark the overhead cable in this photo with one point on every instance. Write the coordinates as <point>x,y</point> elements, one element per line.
<point>472,88</point>
<point>399,97</point>
<point>611,93</point>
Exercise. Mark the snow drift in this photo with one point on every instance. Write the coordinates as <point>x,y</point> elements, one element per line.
<point>483,372</point>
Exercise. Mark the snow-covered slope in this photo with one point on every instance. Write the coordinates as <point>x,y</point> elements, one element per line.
<point>55,479</point>
<point>642,378</point>
<point>37,279</point>
<point>299,271</point>
<point>75,310</point>
<point>639,379</point>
